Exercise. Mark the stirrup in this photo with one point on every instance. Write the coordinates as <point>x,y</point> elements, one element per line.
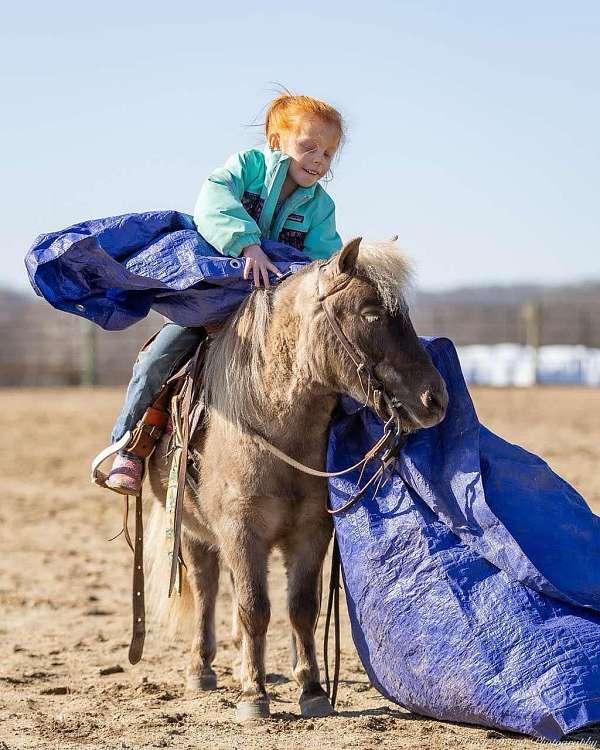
<point>99,477</point>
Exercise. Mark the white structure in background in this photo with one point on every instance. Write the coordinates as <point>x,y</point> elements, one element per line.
<point>513,364</point>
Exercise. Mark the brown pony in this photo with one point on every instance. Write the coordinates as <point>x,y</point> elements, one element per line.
<point>277,370</point>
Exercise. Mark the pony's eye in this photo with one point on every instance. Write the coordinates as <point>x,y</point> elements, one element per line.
<point>371,315</point>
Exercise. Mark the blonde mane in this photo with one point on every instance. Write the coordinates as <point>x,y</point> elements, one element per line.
<point>235,360</point>
<point>388,269</point>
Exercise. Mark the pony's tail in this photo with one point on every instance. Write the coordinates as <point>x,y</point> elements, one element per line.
<point>172,614</point>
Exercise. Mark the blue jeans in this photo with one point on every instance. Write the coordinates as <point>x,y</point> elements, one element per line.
<point>152,367</point>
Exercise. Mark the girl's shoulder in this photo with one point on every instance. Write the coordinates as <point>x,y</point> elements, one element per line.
<point>249,156</point>
<point>249,164</point>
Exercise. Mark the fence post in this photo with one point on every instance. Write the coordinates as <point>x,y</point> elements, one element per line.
<point>531,312</point>
<point>89,370</point>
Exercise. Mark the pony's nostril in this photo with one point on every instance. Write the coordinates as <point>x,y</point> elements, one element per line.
<point>433,400</point>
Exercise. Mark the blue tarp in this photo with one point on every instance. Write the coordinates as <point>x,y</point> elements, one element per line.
<point>114,270</point>
<point>472,578</point>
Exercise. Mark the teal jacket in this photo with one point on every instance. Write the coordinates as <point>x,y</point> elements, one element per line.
<point>237,207</point>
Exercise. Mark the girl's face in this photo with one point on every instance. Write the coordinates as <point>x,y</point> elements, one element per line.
<point>311,146</point>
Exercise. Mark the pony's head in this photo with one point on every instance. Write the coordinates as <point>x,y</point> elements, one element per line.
<point>364,289</point>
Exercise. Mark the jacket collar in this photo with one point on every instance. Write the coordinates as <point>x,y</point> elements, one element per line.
<point>277,164</point>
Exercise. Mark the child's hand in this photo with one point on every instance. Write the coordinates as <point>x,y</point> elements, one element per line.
<point>259,264</point>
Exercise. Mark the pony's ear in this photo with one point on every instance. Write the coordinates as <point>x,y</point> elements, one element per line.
<point>347,258</point>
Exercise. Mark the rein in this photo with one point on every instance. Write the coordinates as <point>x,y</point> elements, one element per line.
<point>384,451</point>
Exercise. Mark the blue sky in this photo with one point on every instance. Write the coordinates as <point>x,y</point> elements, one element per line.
<point>472,126</point>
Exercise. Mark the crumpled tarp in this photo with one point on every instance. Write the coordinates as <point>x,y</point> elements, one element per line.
<point>472,578</point>
<point>114,270</point>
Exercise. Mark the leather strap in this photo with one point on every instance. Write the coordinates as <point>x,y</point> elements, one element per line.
<point>333,605</point>
<point>315,472</point>
<point>138,634</point>
<point>151,426</point>
<point>182,410</point>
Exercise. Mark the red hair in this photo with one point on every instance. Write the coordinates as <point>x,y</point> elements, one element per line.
<point>286,109</point>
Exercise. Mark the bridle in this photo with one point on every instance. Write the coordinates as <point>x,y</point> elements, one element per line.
<point>385,450</point>
<point>364,368</point>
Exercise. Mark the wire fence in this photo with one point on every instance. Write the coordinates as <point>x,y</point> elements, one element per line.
<point>536,324</point>
<point>40,346</point>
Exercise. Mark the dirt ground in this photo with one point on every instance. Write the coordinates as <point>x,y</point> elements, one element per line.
<point>65,599</point>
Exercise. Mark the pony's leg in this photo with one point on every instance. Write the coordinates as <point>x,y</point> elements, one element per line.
<point>246,554</point>
<point>304,561</point>
<point>203,576</point>
<point>236,632</point>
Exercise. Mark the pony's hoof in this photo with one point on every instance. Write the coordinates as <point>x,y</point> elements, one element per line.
<point>316,707</point>
<point>202,682</point>
<point>252,710</point>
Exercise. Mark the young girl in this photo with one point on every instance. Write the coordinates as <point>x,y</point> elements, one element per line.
<point>269,193</point>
